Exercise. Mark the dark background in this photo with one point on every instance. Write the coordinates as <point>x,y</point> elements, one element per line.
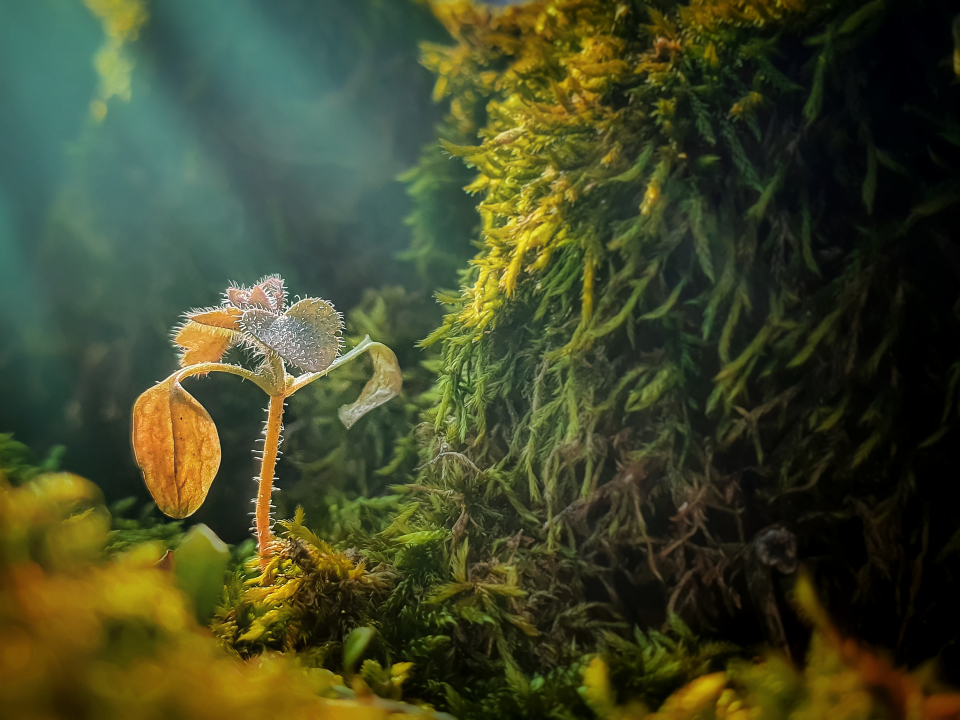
<point>261,136</point>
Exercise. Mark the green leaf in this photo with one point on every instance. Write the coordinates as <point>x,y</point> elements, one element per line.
<point>199,564</point>
<point>806,235</point>
<point>932,207</point>
<point>865,13</point>
<point>825,326</point>
<point>936,437</point>
<point>701,243</point>
<point>635,172</point>
<point>659,312</point>
<point>354,645</point>
<point>811,109</point>
<point>461,150</point>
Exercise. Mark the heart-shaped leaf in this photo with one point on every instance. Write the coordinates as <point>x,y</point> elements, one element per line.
<point>385,384</point>
<point>203,343</point>
<point>307,335</point>
<point>176,446</point>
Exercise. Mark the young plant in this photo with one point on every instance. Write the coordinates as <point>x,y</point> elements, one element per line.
<point>174,438</point>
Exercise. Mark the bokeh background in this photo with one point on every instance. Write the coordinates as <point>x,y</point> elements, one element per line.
<point>150,152</point>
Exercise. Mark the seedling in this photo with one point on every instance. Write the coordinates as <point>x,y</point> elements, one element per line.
<point>174,438</point>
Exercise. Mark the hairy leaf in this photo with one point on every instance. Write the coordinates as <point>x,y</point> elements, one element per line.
<point>176,446</point>
<point>203,342</point>
<point>268,294</point>
<point>307,335</point>
<point>221,317</point>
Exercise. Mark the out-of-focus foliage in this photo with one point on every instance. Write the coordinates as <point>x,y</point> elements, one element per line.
<point>87,638</point>
<point>127,532</point>
<point>121,21</point>
<point>18,464</point>
<point>841,679</point>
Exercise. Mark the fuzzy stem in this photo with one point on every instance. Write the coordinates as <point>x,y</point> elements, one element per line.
<point>270,444</point>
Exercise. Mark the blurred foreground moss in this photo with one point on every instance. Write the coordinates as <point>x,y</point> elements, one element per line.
<point>84,637</point>
<point>841,679</point>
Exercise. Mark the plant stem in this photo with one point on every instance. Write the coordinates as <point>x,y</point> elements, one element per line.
<point>270,444</point>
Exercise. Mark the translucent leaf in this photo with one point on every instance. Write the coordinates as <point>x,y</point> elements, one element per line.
<point>307,335</point>
<point>198,566</point>
<point>176,446</point>
<point>203,343</point>
<point>354,646</point>
<point>223,317</point>
<point>384,385</point>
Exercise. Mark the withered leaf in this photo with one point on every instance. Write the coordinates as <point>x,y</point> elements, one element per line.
<point>307,335</point>
<point>385,384</point>
<point>176,446</point>
<point>203,343</point>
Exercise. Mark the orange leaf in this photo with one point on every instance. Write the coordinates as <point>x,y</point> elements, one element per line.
<point>203,343</point>
<point>222,317</point>
<point>176,446</point>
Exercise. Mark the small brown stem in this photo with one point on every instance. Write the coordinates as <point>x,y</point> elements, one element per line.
<point>270,444</point>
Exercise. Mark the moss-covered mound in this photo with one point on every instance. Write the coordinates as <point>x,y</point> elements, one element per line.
<point>710,334</point>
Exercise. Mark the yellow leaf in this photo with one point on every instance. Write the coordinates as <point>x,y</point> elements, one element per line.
<point>597,690</point>
<point>223,317</point>
<point>203,343</point>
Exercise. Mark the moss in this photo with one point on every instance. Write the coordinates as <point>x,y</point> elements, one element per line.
<point>695,313</point>
<point>707,335</point>
<point>87,638</point>
<point>840,678</point>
